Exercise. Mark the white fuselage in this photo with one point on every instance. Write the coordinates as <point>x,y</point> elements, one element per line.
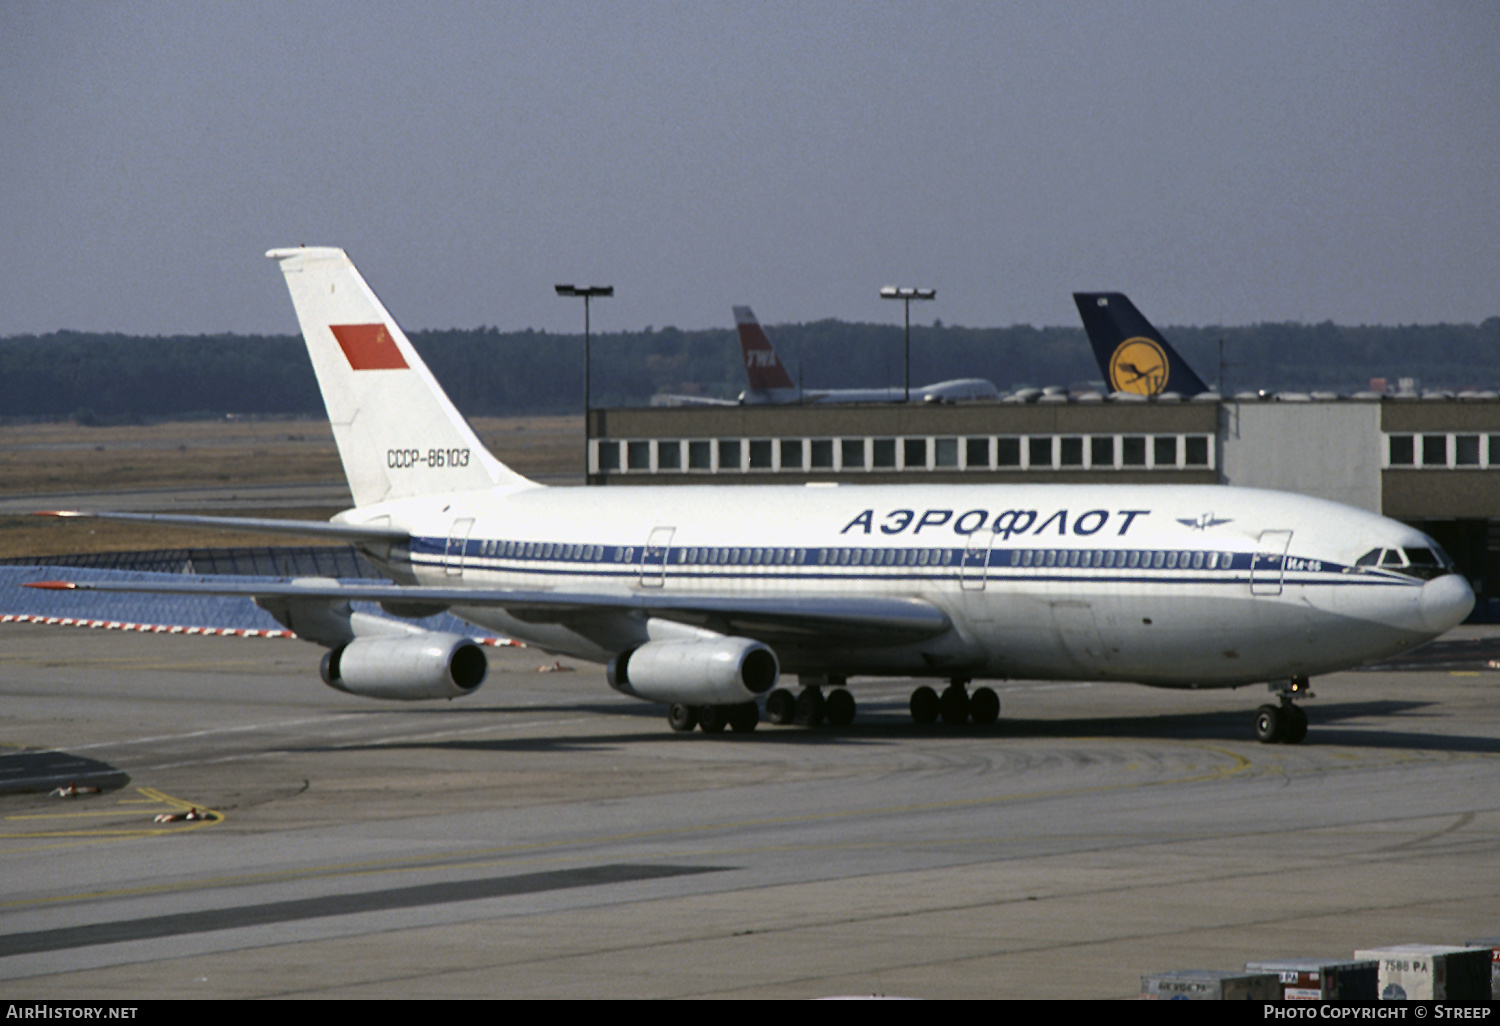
<point>959,390</point>
<point>1182,586</point>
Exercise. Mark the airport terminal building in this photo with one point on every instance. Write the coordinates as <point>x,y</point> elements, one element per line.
<point>1430,460</point>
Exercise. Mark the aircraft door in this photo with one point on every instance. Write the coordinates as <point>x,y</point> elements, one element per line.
<point>1268,565</point>
<point>654,557</point>
<point>458,541</point>
<point>974,568</point>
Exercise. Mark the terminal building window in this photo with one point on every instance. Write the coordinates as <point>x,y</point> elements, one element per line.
<point>760,454</point>
<point>700,456</point>
<point>1442,451</point>
<point>945,452</point>
<point>914,453</point>
<point>1434,450</point>
<point>669,455</point>
<point>791,454</point>
<point>1039,451</point>
<point>976,453</point>
<point>1070,452</point>
<point>1102,450</point>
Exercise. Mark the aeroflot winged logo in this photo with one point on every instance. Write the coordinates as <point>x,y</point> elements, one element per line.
<point>368,347</point>
<point>1138,365</point>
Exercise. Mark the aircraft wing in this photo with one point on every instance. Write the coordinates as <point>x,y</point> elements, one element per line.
<point>851,618</point>
<point>268,525</point>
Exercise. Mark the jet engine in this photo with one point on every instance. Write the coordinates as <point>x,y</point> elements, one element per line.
<point>426,665</point>
<point>712,671</point>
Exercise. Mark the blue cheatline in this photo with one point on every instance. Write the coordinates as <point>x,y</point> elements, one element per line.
<point>218,612</point>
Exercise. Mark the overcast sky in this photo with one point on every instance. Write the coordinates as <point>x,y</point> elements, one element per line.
<point>1223,163</point>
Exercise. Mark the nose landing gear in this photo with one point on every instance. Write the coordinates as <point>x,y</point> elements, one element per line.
<point>1285,723</point>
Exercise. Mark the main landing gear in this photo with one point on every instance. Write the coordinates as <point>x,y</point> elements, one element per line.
<point>955,705</point>
<point>1285,723</point>
<point>810,707</point>
<point>712,719</point>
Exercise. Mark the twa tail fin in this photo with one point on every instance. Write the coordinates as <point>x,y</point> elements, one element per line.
<point>1132,354</point>
<point>398,434</point>
<point>763,368</point>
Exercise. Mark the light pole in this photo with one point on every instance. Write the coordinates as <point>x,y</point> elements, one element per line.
<point>906,296</point>
<point>588,292</point>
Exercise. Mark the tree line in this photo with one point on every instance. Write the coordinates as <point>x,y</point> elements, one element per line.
<point>106,378</point>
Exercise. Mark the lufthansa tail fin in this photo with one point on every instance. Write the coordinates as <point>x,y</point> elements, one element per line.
<point>1132,354</point>
<point>397,433</point>
<point>763,368</point>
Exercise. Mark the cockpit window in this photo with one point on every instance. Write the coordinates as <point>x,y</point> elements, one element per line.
<point>1419,562</point>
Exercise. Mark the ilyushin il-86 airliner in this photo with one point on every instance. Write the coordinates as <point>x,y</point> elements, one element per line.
<point>703,598</point>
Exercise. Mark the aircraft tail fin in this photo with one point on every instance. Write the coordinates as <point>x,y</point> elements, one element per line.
<point>1132,354</point>
<point>763,368</point>
<point>398,434</point>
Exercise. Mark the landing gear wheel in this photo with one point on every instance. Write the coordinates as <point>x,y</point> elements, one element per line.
<point>984,707</point>
<point>712,719</point>
<point>1295,728</point>
<point>1269,724</point>
<point>838,708</point>
<point>954,705</point>
<point>924,705</point>
<point>743,717</point>
<point>781,707</point>
<point>810,707</point>
<point>682,718</point>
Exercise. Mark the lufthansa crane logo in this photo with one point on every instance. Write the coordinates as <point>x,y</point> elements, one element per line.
<point>1138,365</point>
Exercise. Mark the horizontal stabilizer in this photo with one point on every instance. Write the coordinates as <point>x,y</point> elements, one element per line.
<point>260,525</point>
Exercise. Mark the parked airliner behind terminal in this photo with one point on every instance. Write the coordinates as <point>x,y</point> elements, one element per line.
<point>703,597</point>
<point>770,382</point>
